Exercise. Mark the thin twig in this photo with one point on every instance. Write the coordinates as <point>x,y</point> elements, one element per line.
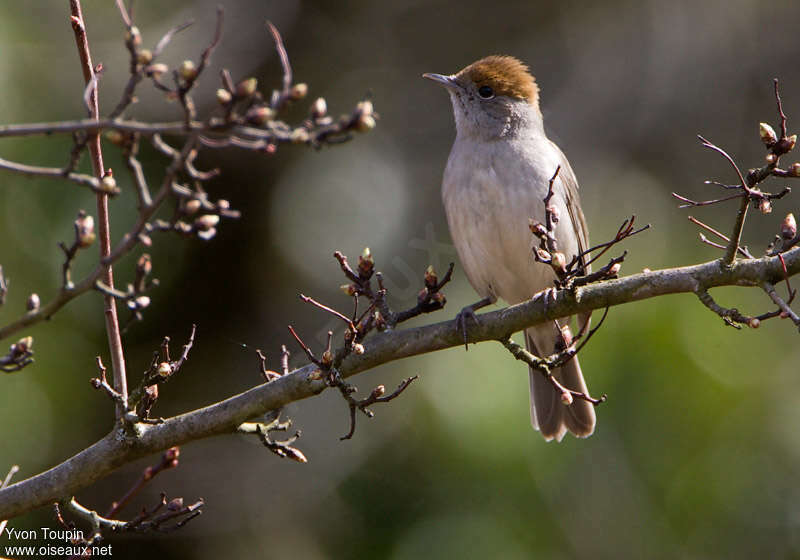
<point>770,289</point>
<point>104,230</point>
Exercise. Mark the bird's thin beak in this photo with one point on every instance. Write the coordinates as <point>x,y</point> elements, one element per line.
<point>446,81</point>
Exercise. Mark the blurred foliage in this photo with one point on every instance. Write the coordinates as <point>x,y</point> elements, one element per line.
<point>696,450</point>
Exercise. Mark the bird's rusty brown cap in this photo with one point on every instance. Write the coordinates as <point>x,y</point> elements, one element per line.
<point>506,75</point>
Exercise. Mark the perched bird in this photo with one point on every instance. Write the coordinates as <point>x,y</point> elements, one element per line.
<point>495,181</point>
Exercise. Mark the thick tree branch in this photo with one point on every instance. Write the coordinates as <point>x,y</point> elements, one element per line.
<point>121,447</point>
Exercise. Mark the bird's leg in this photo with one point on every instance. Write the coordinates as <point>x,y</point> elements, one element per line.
<point>468,313</point>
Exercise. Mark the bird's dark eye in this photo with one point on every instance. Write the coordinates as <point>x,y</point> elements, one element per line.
<point>486,92</point>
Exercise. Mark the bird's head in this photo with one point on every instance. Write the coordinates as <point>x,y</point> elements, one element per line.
<point>493,98</point>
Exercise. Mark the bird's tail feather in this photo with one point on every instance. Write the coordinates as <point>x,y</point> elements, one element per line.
<point>548,414</point>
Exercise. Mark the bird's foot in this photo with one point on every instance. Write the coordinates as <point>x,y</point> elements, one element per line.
<point>468,314</point>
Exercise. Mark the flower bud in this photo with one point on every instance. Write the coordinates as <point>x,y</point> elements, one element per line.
<point>771,158</point>
<point>207,235</point>
<point>554,212</point>
<point>22,346</point>
<point>365,123</point>
<point>319,108</point>
<point>144,265</point>
<point>223,96</point>
<point>358,349</point>
<point>115,137</point>
<point>365,262</point>
<point>787,145</point>
<point>794,170</point>
<point>438,297</point>
<point>789,227</point>
<point>156,70</point>
<point>378,392</point>
<point>133,36</point>
<point>206,222</point>
<point>543,255</point>
<point>108,184</point>
<point>298,91</point>
<point>365,108</point>
<point>537,228</point>
<point>187,70</point>
<point>164,369</point>
<point>223,204</point>
<point>144,57</point>
<point>566,398</point>
<point>754,323</point>
<point>192,206</point>
<point>299,136</point>
<point>295,455</point>
<point>559,262</point>
<point>259,115</point>
<point>172,453</point>
<point>349,289</point>
<point>175,504</point>
<point>84,230</point>
<point>246,87</point>
<point>767,134</point>
<point>566,335</point>
<point>431,279</point>
<point>614,270</point>
<point>327,358</point>
<point>138,303</point>
<point>765,206</point>
<point>33,303</point>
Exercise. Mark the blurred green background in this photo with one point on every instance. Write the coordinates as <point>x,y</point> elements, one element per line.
<point>696,453</point>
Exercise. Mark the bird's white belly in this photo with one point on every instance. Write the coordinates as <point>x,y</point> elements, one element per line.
<point>488,211</point>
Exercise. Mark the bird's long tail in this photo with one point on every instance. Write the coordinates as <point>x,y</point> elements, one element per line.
<point>549,414</point>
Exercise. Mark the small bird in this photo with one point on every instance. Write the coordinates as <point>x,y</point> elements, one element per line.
<point>495,181</point>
